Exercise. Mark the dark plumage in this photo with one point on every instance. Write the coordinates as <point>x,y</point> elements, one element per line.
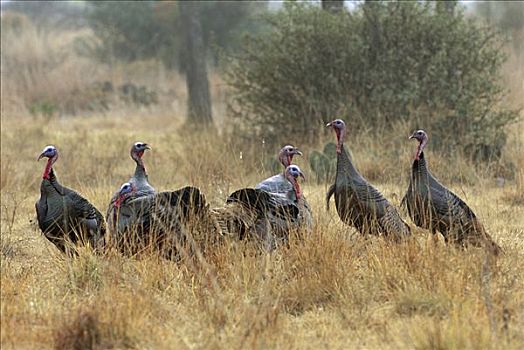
<point>434,207</point>
<point>64,215</point>
<point>267,216</point>
<point>358,203</point>
<point>165,221</point>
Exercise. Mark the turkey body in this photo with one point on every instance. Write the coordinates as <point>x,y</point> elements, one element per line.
<point>275,184</point>
<point>434,207</point>
<point>281,188</point>
<point>168,222</point>
<point>64,215</point>
<point>140,181</point>
<point>361,205</point>
<point>266,217</point>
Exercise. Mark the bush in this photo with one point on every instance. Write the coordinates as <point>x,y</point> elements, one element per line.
<point>154,29</point>
<point>380,64</point>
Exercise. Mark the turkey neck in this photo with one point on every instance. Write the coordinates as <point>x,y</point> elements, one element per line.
<point>296,193</point>
<point>420,172</point>
<point>285,160</point>
<point>140,170</point>
<point>50,184</point>
<point>345,165</point>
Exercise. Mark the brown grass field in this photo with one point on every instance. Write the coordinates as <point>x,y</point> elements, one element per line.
<point>333,289</point>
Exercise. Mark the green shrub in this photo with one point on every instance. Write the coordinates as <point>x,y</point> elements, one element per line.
<point>380,64</point>
<point>154,29</point>
<point>44,108</point>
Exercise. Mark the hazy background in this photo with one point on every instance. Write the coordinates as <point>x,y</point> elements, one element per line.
<point>82,58</point>
<point>275,72</point>
<point>217,88</point>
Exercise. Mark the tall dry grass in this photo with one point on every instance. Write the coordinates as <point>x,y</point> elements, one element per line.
<point>333,289</point>
<point>53,72</point>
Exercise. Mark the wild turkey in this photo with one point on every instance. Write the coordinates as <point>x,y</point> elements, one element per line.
<point>172,223</point>
<point>433,207</point>
<point>139,179</point>
<point>63,215</point>
<point>266,216</point>
<point>358,203</point>
<point>278,183</point>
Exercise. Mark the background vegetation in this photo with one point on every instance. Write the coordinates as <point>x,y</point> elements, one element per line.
<point>381,64</point>
<point>332,290</point>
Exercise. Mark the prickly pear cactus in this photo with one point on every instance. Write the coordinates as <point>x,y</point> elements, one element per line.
<point>330,150</point>
<point>323,164</point>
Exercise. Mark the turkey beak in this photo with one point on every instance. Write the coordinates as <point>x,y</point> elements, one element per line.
<point>328,124</point>
<point>301,174</point>
<point>146,146</point>
<point>297,152</point>
<point>40,157</point>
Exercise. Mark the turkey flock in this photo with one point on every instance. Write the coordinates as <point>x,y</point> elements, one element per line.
<point>181,222</point>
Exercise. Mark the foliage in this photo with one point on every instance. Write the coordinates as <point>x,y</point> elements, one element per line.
<point>49,14</point>
<point>508,15</point>
<point>127,32</point>
<point>146,29</point>
<point>45,108</point>
<point>380,64</point>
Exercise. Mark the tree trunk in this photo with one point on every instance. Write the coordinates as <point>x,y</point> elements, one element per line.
<point>199,100</point>
<point>333,5</point>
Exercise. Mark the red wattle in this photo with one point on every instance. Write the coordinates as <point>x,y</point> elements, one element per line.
<point>297,191</point>
<point>339,146</point>
<point>47,169</point>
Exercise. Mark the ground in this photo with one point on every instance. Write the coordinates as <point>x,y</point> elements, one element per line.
<point>334,289</point>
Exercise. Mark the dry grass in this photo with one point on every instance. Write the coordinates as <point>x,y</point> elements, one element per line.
<point>333,289</point>
<point>50,72</point>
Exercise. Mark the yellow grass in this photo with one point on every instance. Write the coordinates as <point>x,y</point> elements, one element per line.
<point>332,290</point>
